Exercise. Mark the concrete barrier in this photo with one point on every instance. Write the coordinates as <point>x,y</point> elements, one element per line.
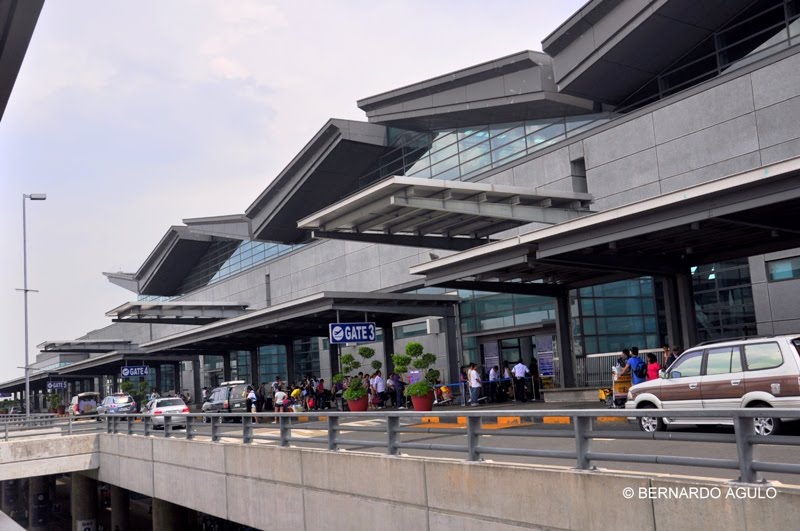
<point>50,455</point>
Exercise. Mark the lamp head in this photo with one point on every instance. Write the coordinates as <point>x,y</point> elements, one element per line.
<point>36,197</point>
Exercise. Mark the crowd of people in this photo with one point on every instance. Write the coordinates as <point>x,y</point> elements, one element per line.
<point>642,370</point>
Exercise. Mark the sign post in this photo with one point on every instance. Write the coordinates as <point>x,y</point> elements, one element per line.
<point>352,333</point>
<point>52,386</point>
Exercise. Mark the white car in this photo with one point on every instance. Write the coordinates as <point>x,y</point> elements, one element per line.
<point>173,406</point>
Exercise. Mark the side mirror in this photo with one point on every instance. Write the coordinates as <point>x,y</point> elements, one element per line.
<point>662,374</point>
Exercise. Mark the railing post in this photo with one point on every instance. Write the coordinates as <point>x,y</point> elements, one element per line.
<point>744,427</point>
<point>392,423</point>
<point>129,420</point>
<point>167,425</point>
<point>70,424</point>
<point>247,429</point>
<point>473,425</point>
<point>146,425</point>
<point>333,430</point>
<point>215,428</point>
<point>6,428</point>
<point>583,426</point>
<point>284,423</point>
<point>189,427</point>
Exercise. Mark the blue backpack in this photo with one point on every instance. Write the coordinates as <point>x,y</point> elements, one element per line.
<point>640,368</point>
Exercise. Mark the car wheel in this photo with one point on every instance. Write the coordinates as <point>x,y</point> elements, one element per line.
<point>766,425</point>
<point>651,424</point>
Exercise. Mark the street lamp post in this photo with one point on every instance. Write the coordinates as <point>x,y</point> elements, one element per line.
<point>25,290</point>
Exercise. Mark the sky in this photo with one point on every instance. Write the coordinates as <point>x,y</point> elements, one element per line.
<point>134,115</point>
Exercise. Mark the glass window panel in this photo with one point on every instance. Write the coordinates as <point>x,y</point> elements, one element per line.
<point>499,320</point>
<point>718,360</point>
<point>787,269</point>
<point>587,306</point>
<point>589,326</point>
<point>591,345</point>
<point>762,356</point>
<point>618,306</point>
<point>444,152</point>
<point>533,316</point>
<point>546,136</point>
<point>736,360</point>
<point>688,364</point>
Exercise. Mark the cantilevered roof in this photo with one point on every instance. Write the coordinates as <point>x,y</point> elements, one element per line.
<point>85,345</point>
<point>176,312</point>
<point>741,215</point>
<point>304,317</point>
<point>445,214</point>
<point>169,263</point>
<point>611,48</point>
<point>17,20</point>
<point>512,88</point>
<point>327,168</point>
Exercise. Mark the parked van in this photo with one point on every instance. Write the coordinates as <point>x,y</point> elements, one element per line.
<point>754,372</point>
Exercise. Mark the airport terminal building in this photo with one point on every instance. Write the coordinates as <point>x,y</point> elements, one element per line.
<point>636,183</point>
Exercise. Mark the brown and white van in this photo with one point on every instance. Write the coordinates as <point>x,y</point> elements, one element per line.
<point>756,372</point>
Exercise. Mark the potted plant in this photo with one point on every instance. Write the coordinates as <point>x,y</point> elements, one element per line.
<point>53,402</point>
<point>356,394</point>
<point>421,391</point>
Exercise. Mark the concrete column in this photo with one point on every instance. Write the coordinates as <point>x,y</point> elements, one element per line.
<point>671,312</point>
<point>254,367</point>
<point>226,367</point>
<point>83,502</point>
<point>564,341</point>
<point>686,311</point>
<point>159,387</point>
<point>39,503</point>
<point>197,390</point>
<point>167,515</point>
<point>290,376</point>
<point>333,356</point>
<point>11,499</point>
<point>454,354</point>
<point>120,508</point>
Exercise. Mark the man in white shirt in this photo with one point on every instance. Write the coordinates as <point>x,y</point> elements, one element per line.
<point>380,389</point>
<point>520,371</point>
<point>474,384</point>
<point>278,401</point>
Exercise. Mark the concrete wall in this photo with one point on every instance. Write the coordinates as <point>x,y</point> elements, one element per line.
<point>775,302</point>
<point>268,487</point>
<point>43,456</point>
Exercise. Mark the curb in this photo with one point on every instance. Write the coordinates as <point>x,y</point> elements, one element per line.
<point>501,422</point>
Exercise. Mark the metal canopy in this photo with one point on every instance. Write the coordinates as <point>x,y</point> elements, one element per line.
<point>305,317</point>
<point>176,312</point>
<point>447,214</point>
<point>742,215</point>
<point>111,363</point>
<point>85,345</point>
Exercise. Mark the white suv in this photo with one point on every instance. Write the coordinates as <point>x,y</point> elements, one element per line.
<point>757,372</point>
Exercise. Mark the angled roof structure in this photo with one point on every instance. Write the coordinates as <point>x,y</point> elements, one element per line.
<point>610,48</point>
<point>512,88</point>
<point>17,21</point>
<point>327,168</point>
<point>176,312</point>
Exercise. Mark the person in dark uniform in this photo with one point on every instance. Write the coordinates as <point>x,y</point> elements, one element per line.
<point>534,368</point>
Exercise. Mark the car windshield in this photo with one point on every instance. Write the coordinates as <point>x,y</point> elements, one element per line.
<point>170,402</point>
<point>122,400</point>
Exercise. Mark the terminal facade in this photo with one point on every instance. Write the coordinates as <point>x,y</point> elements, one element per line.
<point>633,184</point>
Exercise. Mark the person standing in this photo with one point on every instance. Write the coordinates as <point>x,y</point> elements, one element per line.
<point>380,389</point>
<point>519,371</point>
<point>475,384</point>
<point>493,373</point>
<point>634,366</point>
<point>653,367</point>
<point>279,400</point>
<point>671,358</point>
<point>534,369</point>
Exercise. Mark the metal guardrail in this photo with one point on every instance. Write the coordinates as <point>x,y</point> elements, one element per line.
<point>582,431</point>
<point>47,424</point>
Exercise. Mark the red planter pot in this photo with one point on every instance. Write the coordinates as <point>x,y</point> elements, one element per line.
<point>423,403</point>
<point>362,404</point>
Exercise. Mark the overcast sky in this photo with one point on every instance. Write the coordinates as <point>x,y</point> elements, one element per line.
<point>134,115</point>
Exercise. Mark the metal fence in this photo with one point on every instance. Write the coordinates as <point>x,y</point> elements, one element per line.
<point>583,431</point>
<point>473,446</point>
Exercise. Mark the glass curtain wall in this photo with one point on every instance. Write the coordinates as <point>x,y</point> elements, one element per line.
<point>306,357</point>
<point>240,366</point>
<point>723,297</point>
<point>271,363</point>
<point>610,317</point>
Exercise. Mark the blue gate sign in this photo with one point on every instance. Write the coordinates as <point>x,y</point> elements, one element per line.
<point>134,370</point>
<point>56,385</point>
<point>352,333</point>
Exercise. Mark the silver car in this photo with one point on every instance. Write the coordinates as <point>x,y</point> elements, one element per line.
<point>175,407</point>
<point>117,404</point>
